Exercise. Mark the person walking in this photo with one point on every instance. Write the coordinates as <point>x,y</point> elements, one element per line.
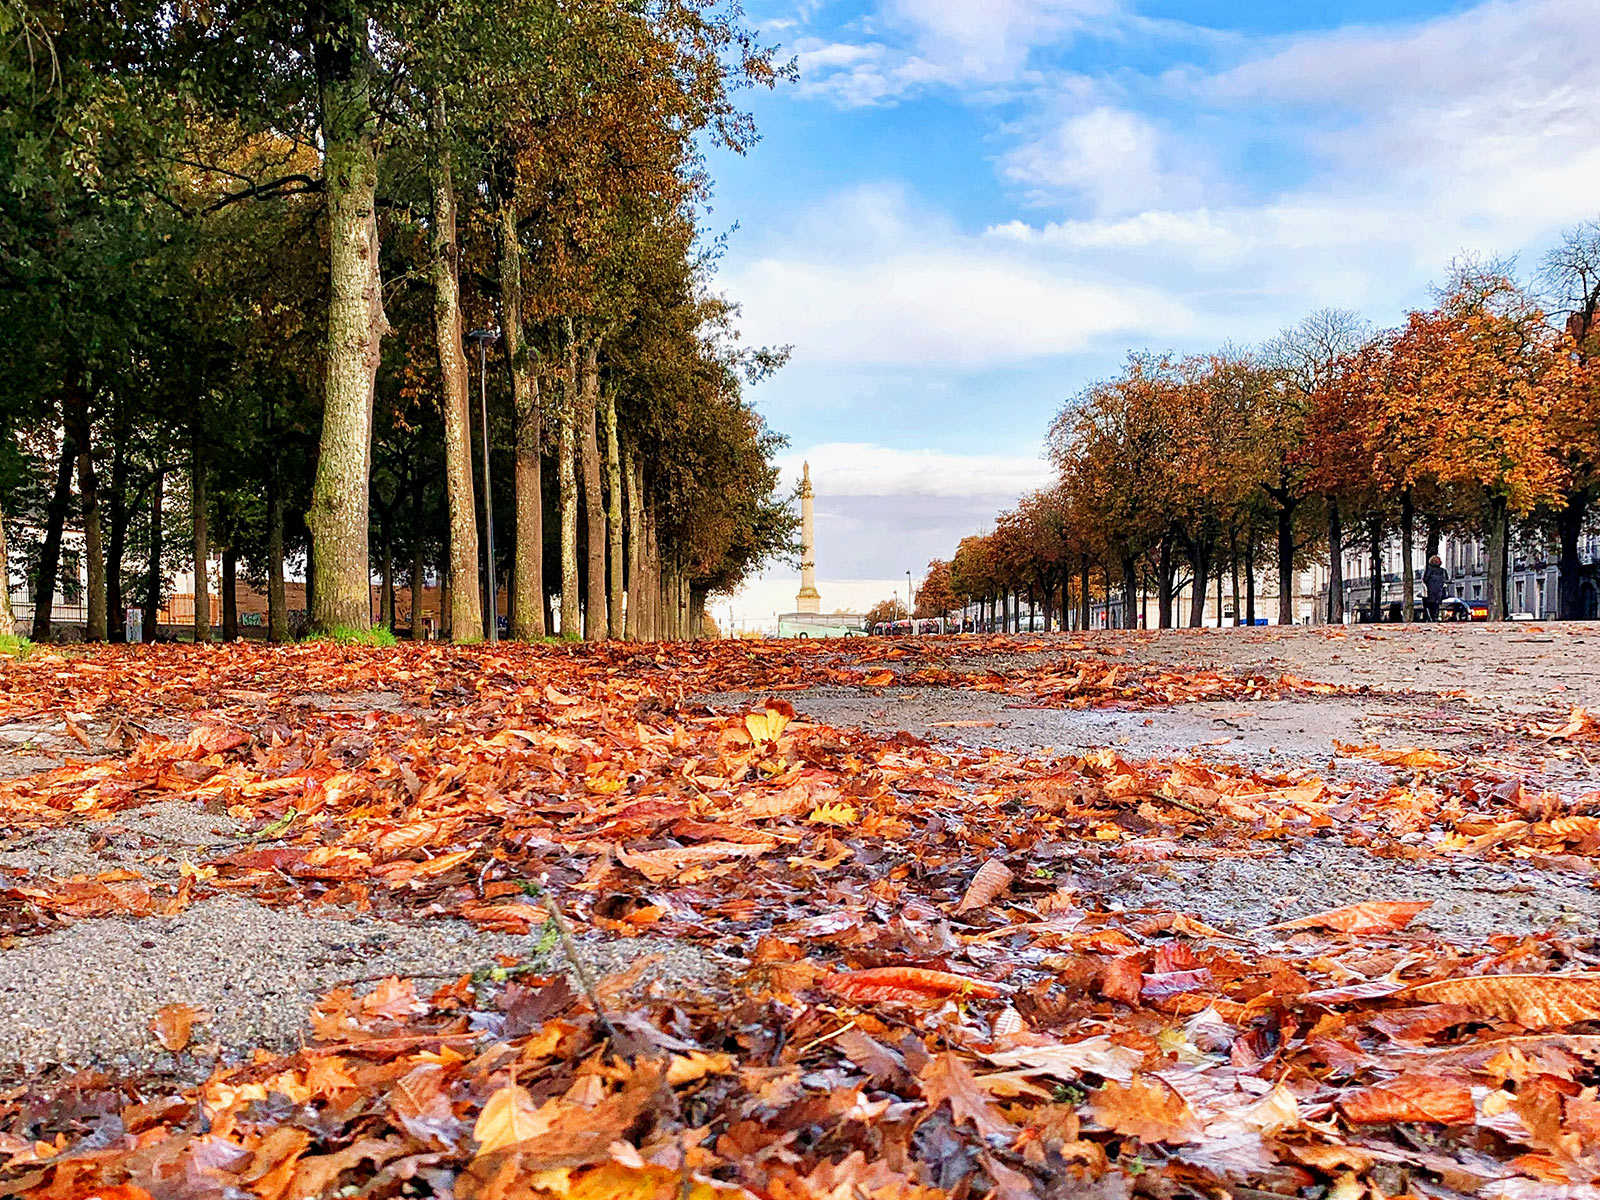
<point>1434,580</point>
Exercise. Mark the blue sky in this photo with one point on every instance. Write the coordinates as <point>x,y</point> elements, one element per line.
<point>966,210</point>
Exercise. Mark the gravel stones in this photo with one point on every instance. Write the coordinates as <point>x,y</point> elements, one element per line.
<point>86,995</point>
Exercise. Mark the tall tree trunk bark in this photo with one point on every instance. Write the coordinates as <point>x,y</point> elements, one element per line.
<point>1569,584</point>
<point>8,620</point>
<point>1286,563</point>
<point>614,587</point>
<point>1130,586</point>
<point>154,577</point>
<point>595,630</point>
<point>1499,554</point>
<point>117,541</point>
<point>1250,577</point>
<point>633,487</point>
<point>230,594</point>
<point>75,411</point>
<point>527,560</point>
<point>567,477</point>
<point>1375,546</point>
<point>1164,597</point>
<point>1408,582</point>
<point>386,569</point>
<point>1233,560</point>
<point>649,567</point>
<point>1083,589</point>
<point>1220,573</point>
<point>338,516</point>
<point>277,593</point>
<point>466,600</point>
<point>1335,563</point>
<point>50,552</point>
<point>202,543</point>
<point>1434,535</point>
<point>1200,567</point>
<point>418,567</point>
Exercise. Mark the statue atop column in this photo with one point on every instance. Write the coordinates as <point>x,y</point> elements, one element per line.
<point>809,599</point>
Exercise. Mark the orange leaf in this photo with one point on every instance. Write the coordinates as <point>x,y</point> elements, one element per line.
<point>879,679</point>
<point>946,1080</point>
<point>510,1116</point>
<point>1532,1001</point>
<point>992,878</point>
<point>1146,1108</point>
<point>906,983</point>
<point>1417,1097</point>
<point>1424,760</point>
<point>173,1024</point>
<point>1370,916</point>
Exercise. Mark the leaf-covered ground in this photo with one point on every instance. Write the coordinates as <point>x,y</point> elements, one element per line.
<point>909,989</point>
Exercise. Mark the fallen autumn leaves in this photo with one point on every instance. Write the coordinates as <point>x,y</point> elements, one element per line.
<point>919,1008</point>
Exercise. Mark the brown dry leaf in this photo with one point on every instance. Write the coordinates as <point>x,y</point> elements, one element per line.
<point>1370,916</point>
<point>659,866</point>
<point>1070,1060</point>
<point>992,878</point>
<point>1147,1108</point>
<point>879,679</point>
<point>906,983</point>
<point>509,1116</point>
<point>1422,760</point>
<point>174,1023</point>
<point>946,1080</point>
<point>1438,1099</point>
<point>1532,1001</point>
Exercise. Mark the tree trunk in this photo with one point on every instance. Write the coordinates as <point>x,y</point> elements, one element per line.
<point>338,514</point>
<point>230,594</point>
<point>1408,582</point>
<point>277,594</point>
<point>50,552</point>
<point>1499,554</point>
<point>608,421</point>
<point>1083,589</point>
<point>117,541</point>
<point>595,628</point>
<point>1164,588</point>
<point>1200,565</point>
<point>466,600</point>
<point>418,621</point>
<point>1335,564</point>
<point>1250,577</point>
<point>527,560</point>
<point>8,620</point>
<point>1233,560</point>
<point>1286,563</point>
<point>1569,590</point>
<point>650,577</point>
<point>1434,535</point>
<point>154,577</point>
<point>567,476</point>
<point>75,411</point>
<point>632,487</point>
<point>202,545</point>
<point>1220,572</point>
<point>1130,585</point>
<point>1375,545</point>
<point>386,572</point>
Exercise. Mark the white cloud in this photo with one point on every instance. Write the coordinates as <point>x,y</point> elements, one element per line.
<point>867,280</point>
<point>861,469</point>
<point>921,44</point>
<point>1110,156</point>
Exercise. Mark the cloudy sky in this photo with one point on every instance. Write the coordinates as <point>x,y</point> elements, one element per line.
<point>965,210</point>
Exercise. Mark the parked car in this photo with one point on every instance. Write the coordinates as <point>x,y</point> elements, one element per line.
<point>1454,608</point>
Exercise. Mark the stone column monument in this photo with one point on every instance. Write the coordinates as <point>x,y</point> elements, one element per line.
<point>809,600</point>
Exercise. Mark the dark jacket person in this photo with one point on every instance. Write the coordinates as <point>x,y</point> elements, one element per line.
<point>1434,580</point>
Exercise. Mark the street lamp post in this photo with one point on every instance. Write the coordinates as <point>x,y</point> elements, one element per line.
<point>491,616</point>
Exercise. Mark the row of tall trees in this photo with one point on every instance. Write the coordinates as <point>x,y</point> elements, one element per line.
<point>252,256</point>
<point>1478,416</point>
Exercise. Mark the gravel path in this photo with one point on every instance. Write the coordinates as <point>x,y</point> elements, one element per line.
<point>87,994</point>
